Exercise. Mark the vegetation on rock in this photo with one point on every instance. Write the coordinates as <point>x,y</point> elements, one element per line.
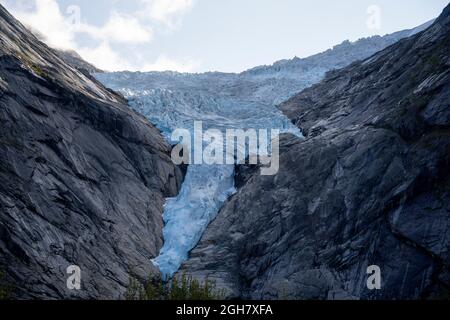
<point>184,288</point>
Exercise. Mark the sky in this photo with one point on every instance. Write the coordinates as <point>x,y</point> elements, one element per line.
<point>211,35</point>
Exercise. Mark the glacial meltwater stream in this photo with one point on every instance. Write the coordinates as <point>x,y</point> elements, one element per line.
<point>174,101</point>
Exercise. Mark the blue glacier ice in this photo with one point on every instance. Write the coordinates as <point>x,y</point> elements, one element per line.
<point>171,101</point>
<point>186,217</point>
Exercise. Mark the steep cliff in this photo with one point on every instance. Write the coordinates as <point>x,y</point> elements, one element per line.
<point>83,178</point>
<point>73,59</point>
<point>369,185</point>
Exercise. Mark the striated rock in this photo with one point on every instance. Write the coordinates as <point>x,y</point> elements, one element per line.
<point>369,185</point>
<point>83,178</point>
<point>73,59</point>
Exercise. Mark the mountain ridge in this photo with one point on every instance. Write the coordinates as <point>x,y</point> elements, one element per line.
<point>369,185</point>
<point>275,83</point>
<point>74,160</point>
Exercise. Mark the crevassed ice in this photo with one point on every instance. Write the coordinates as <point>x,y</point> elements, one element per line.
<point>172,101</point>
<point>186,217</point>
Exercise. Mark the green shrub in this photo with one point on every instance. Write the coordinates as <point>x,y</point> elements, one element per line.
<point>38,70</point>
<point>5,288</point>
<point>185,288</point>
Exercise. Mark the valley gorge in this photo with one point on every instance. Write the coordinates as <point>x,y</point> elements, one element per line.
<point>87,179</point>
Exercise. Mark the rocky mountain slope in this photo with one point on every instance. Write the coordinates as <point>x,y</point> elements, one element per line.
<point>83,179</point>
<point>73,59</point>
<point>224,101</point>
<point>369,185</point>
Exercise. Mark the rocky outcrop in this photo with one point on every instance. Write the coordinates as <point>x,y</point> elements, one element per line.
<point>73,59</point>
<point>369,185</point>
<point>83,179</point>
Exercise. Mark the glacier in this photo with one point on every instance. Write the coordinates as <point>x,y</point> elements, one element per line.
<point>174,101</point>
<point>248,100</point>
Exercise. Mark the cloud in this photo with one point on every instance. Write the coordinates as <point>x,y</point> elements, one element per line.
<point>60,30</point>
<point>48,21</point>
<point>105,58</point>
<point>120,28</point>
<point>163,63</point>
<point>168,12</point>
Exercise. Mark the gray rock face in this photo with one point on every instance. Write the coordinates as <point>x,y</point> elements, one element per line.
<point>73,59</point>
<point>369,185</point>
<point>83,179</point>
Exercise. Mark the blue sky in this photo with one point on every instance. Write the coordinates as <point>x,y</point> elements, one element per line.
<point>207,35</point>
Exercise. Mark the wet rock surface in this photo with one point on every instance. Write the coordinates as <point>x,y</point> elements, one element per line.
<point>369,185</point>
<point>83,179</point>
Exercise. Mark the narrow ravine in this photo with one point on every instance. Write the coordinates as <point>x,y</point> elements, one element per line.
<point>205,190</point>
